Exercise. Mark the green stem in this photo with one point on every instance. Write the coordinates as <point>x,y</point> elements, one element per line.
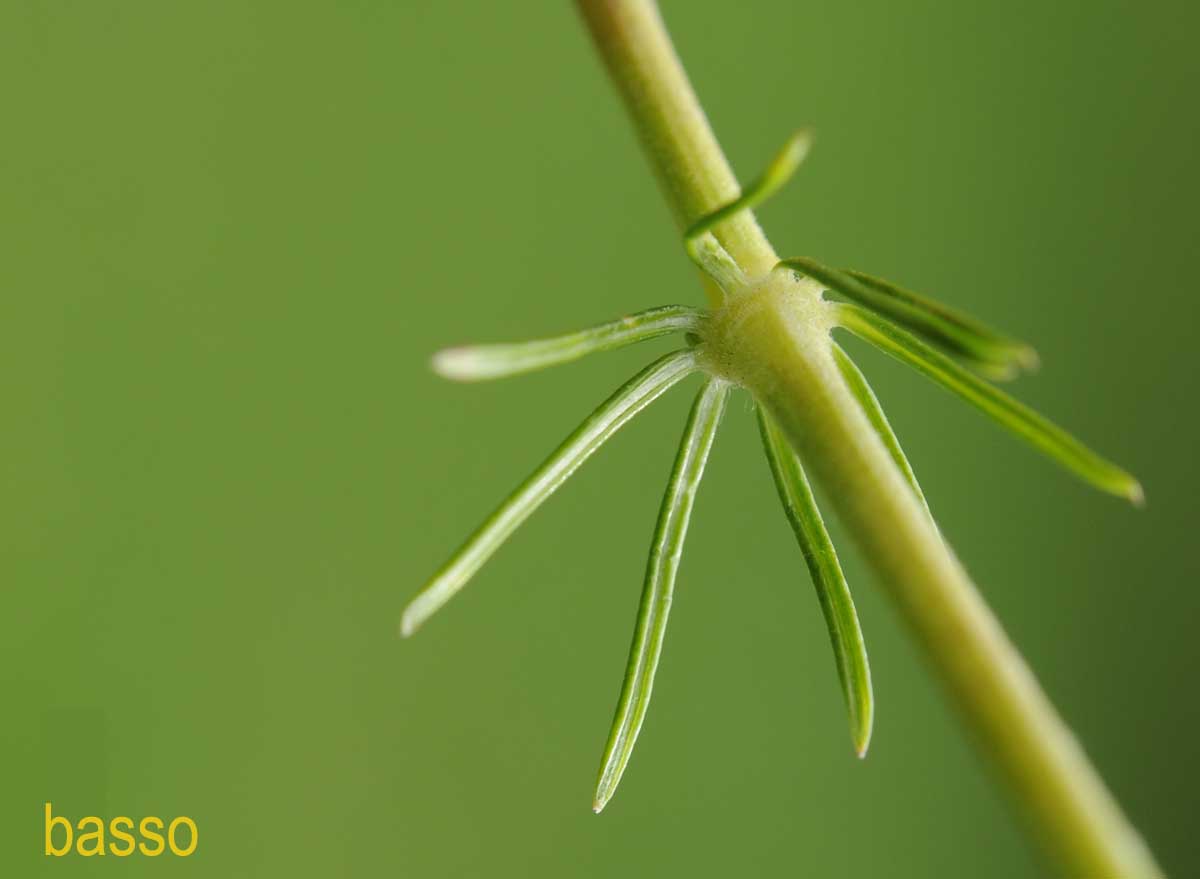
<point>695,175</point>
<point>777,345</point>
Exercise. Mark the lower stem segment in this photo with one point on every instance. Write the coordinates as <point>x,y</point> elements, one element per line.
<point>1060,795</point>
<point>785,359</point>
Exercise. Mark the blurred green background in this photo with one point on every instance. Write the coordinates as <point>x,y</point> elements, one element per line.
<point>233,233</point>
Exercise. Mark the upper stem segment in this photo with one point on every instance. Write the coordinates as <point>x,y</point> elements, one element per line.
<point>786,360</point>
<point>690,164</point>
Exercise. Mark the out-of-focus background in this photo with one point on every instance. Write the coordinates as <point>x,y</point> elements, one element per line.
<point>233,233</point>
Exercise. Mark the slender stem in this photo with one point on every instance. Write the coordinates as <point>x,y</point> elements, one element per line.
<point>693,170</point>
<point>795,376</point>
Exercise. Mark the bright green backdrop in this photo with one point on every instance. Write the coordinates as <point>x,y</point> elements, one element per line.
<point>233,232</point>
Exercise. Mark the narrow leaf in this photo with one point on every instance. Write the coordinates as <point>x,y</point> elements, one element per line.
<point>613,414</point>
<point>1012,415</point>
<point>715,261</point>
<point>987,351</point>
<point>659,586</point>
<point>845,633</point>
<point>1000,355</point>
<point>857,382</point>
<point>777,173</point>
<point>481,362</point>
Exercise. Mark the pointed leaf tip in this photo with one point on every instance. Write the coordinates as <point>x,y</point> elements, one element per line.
<point>472,363</point>
<point>785,163</point>
<point>407,626</point>
<point>863,742</point>
<point>658,587</point>
<point>833,592</point>
<point>1028,357</point>
<point>1136,495</point>
<point>455,364</point>
<point>1014,416</point>
<point>863,726</point>
<point>988,352</point>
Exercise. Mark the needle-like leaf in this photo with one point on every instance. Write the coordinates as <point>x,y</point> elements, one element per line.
<point>627,402</point>
<point>659,586</point>
<point>715,261</point>
<point>481,362</point>
<point>988,352</point>
<point>1010,414</point>
<point>777,173</point>
<point>845,633</point>
<point>857,382</point>
<point>1005,348</point>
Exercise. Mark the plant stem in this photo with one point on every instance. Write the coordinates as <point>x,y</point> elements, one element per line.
<point>783,355</point>
<point>695,175</point>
